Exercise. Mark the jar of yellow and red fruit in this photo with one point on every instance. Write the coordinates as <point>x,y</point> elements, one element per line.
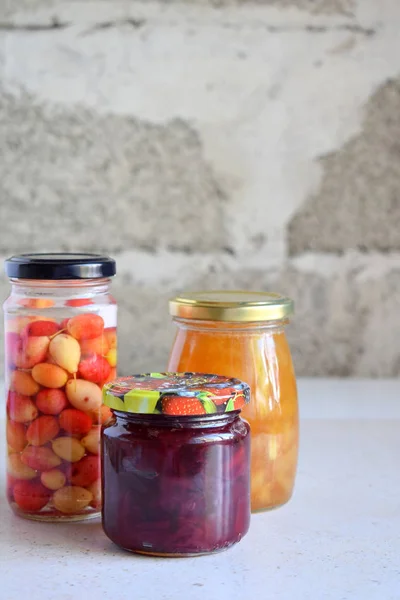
<point>242,334</point>
<point>60,349</point>
<point>176,463</point>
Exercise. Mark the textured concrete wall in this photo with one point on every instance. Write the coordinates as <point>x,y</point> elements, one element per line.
<point>220,143</point>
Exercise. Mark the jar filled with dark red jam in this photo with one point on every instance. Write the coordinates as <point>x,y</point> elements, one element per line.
<point>176,463</point>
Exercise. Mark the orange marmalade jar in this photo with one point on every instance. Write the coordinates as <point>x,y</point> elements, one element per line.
<point>242,334</point>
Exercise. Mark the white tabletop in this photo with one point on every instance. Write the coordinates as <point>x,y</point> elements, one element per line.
<point>337,539</point>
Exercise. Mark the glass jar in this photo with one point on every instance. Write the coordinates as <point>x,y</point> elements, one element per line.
<point>176,464</point>
<point>241,334</point>
<point>60,348</point>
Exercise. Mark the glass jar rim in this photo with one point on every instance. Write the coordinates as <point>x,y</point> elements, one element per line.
<point>177,421</point>
<point>231,306</point>
<point>20,282</point>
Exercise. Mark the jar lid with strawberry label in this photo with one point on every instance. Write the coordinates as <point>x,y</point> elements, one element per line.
<point>176,394</point>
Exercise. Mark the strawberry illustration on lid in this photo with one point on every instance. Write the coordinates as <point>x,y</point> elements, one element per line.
<point>176,394</point>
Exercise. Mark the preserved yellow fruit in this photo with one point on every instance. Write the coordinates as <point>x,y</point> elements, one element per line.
<point>257,353</point>
<point>53,479</point>
<point>66,352</point>
<point>18,469</point>
<point>72,499</point>
<point>83,395</point>
<point>68,448</point>
<point>91,441</point>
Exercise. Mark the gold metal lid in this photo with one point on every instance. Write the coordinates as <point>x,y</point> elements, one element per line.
<point>231,306</point>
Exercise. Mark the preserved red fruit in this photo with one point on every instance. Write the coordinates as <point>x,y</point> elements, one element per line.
<point>39,418</point>
<point>51,401</point>
<point>16,436</point>
<point>21,408</point>
<point>98,345</point>
<point>79,302</point>
<point>175,485</point>
<point>30,496</point>
<point>42,430</point>
<point>86,471</point>
<point>85,327</point>
<point>41,328</point>
<point>40,459</point>
<point>75,421</point>
<point>95,368</point>
<point>31,350</point>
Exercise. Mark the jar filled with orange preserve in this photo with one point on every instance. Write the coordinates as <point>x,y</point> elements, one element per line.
<point>60,348</point>
<point>242,334</point>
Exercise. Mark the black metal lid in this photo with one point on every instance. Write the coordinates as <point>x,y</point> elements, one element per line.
<point>59,265</point>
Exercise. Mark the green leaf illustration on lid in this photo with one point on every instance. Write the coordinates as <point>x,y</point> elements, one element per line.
<point>157,375</point>
<point>209,405</point>
<point>204,395</point>
<point>113,402</point>
<point>230,405</point>
<point>141,401</point>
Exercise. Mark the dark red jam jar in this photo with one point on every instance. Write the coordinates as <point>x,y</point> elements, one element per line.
<point>176,463</point>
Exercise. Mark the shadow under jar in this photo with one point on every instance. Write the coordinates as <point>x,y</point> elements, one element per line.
<point>176,464</point>
<point>60,348</point>
<point>242,334</point>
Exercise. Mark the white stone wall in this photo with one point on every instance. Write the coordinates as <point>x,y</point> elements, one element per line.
<point>213,144</point>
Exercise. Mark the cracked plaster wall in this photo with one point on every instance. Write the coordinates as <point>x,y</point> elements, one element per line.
<point>213,144</point>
